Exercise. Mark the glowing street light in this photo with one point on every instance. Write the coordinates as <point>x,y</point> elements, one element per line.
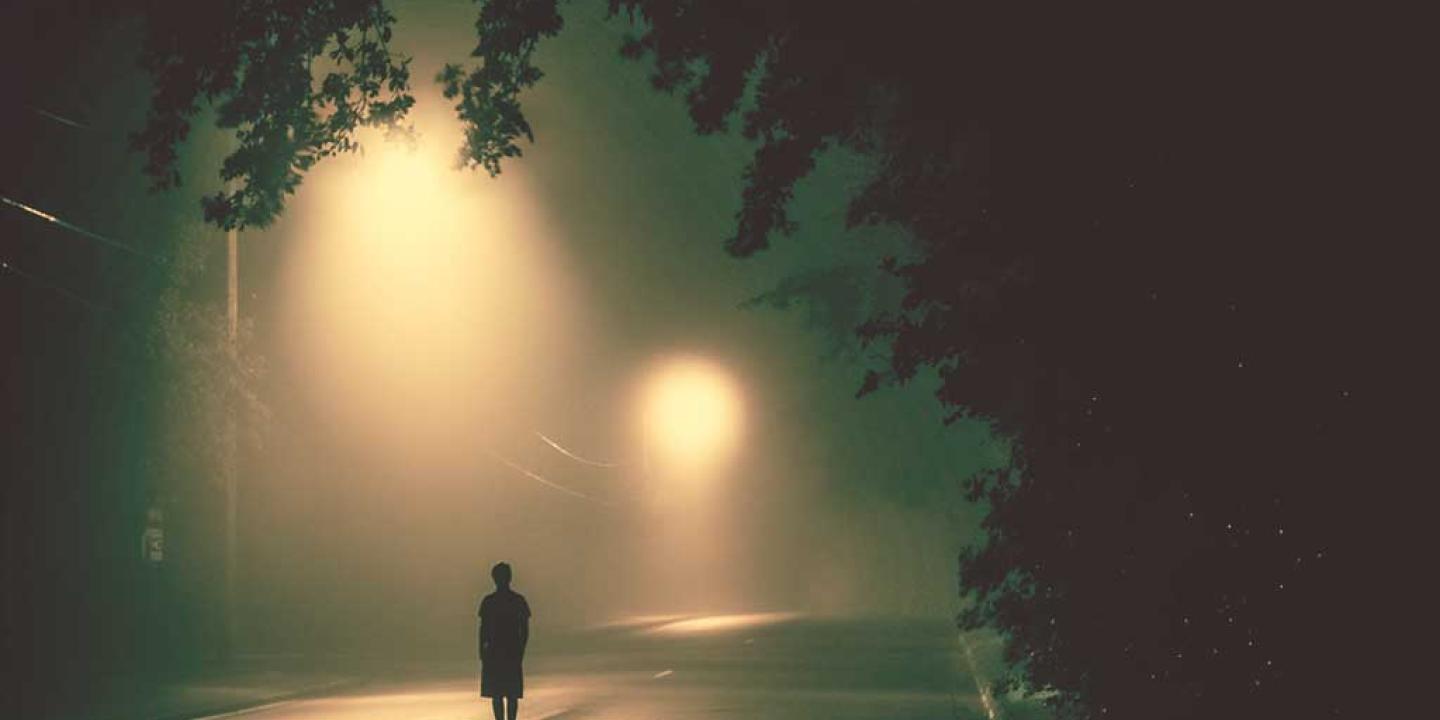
<point>691,417</point>
<point>427,303</point>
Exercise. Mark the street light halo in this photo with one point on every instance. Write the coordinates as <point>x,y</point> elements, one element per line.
<point>692,414</point>
<point>424,302</point>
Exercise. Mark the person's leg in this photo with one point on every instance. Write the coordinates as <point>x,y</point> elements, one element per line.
<point>514,706</point>
<point>497,704</point>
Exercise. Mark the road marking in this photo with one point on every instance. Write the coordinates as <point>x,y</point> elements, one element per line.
<point>247,711</point>
<point>298,697</point>
<point>987,701</point>
<point>553,713</point>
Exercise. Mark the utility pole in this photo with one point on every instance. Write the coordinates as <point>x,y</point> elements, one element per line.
<point>231,459</point>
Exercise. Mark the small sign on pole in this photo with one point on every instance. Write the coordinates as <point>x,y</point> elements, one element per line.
<point>152,541</point>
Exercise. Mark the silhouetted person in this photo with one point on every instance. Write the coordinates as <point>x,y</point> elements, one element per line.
<point>504,631</point>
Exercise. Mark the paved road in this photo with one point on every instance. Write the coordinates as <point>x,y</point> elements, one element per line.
<point>676,669</point>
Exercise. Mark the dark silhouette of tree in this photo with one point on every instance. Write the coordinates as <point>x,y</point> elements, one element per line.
<point>257,62</point>
<point>488,94</point>
<point>1120,264</point>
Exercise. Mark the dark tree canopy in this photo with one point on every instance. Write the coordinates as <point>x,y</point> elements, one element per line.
<point>293,78</point>
<point>1120,266</point>
<point>1124,228</point>
<point>489,94</point>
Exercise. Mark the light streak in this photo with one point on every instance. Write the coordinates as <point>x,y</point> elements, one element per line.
<point>6,265</point>
<point>987,700</point>
<point>47,217</point>
<point>57,118</point>
<point>561,449</point>
<point>537,477</point>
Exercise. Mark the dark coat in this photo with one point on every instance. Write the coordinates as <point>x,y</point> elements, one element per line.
<point>504,632</point>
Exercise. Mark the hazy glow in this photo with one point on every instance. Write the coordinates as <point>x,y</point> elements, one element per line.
<point>722,623</point>
<point>691,415</point>
<point>690,420</point>
<point>423,302</point>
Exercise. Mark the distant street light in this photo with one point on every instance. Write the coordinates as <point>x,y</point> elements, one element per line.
<point>691,417</point>
<point>691,424</point>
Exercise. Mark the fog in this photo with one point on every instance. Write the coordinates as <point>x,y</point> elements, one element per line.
<point>464,370</point>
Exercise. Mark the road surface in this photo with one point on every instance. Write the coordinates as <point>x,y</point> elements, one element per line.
<point>762,666</point>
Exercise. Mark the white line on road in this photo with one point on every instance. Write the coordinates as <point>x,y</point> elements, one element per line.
<point>306,695</point>
<point>553,713</point>
<point>247,711</point>
<point>987,701</point>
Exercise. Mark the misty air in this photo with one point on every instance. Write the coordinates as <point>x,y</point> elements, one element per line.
<point>640,360</point>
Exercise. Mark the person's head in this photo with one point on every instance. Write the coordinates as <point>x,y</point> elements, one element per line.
<point>501,575</point>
